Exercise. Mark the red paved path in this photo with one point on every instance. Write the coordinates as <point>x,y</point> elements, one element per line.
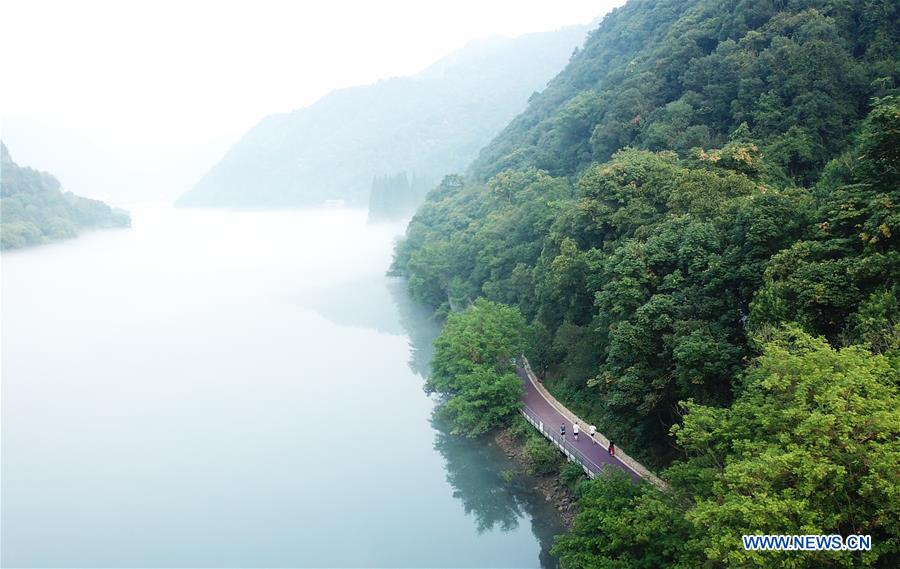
<point>591,452</point>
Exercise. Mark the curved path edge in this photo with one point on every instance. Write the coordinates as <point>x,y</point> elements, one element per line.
<point>546,414</point>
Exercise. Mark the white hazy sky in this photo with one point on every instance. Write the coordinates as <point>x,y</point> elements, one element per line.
<point>157,79</point>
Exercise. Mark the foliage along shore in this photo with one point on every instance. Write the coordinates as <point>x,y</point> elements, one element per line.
<point>693,232</point>
<point>35,210</point>
<point>553,477</point>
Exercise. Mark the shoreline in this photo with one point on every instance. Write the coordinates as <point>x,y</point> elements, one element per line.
<point>556,493</point>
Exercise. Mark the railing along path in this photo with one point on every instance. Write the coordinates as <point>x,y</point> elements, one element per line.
<point>543,411</point>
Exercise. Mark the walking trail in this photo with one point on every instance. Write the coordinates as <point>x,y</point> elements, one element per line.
<point>547,414</point>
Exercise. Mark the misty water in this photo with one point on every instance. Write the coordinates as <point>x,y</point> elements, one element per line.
<point>224,389</point>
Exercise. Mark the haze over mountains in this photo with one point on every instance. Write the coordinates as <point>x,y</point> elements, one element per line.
<point>691,232</point>
<point>93,170</point>
<point>429,125</point>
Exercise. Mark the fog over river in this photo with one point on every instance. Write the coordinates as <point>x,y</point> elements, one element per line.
<point>233,389</point>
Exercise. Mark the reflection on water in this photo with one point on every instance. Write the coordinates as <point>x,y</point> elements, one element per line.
<point>364,303</point>
<point>379,303</point>
<point>419,324</point>
<point>222,389</point>
<point>474,466</point>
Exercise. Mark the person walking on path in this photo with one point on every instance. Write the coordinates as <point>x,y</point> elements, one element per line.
<point>575,430</point>
<point>612,448</point>
<point>593,430</point>
<point>562,431</point>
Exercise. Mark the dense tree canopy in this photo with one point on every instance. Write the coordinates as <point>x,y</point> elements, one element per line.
<point>35,210</point>
<point>843,279</point>
<point>473,366</point>
<point>698,221</point>
<point>640,278</point>
<point>676,74</point>
<point>811,445</point>
<point>644,275</point>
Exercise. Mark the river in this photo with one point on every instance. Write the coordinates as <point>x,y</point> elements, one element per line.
<point>237,389</point>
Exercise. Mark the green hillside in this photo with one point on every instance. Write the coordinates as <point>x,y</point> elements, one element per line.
<point>34,209</point>
<point>677,74</point>
<point>698,220</point>
<point>429,124</point>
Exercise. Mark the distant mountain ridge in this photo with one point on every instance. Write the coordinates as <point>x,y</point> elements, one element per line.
<point>35,210</point>
<point>429,124</point>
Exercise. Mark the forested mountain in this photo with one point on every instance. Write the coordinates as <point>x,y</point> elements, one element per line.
<point>679,74</point>
<point>34,209</point>
<point>429,125</point>
<point>698,220</point>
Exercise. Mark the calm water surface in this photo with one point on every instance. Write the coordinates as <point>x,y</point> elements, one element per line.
<point>220,389</point>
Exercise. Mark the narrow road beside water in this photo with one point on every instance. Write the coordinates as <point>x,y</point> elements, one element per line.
<point>595,455</point>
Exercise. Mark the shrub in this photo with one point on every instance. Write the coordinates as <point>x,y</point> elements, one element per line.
<point>545,458</point>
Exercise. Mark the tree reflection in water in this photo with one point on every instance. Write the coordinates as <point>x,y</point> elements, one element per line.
<point>419,324</point>
<point>483,492</point>
<point>475,466</point>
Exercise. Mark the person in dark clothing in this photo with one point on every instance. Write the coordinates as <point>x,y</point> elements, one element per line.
<point>612,448</point>
<point>562,431</point>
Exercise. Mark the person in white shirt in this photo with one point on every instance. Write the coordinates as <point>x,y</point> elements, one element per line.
<point>593,430</point>
<point>575,430</point>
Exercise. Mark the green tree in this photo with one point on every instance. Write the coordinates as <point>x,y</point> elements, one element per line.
<point>473,366</point>
<point>700,174</point>
<point>544,456</point>
<point>810,445</point>
<point>852,252</point>
<point>622,525</point>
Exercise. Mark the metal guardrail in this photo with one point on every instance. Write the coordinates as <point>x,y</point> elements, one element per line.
<point>621,456</point>
<point>590,467</point>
